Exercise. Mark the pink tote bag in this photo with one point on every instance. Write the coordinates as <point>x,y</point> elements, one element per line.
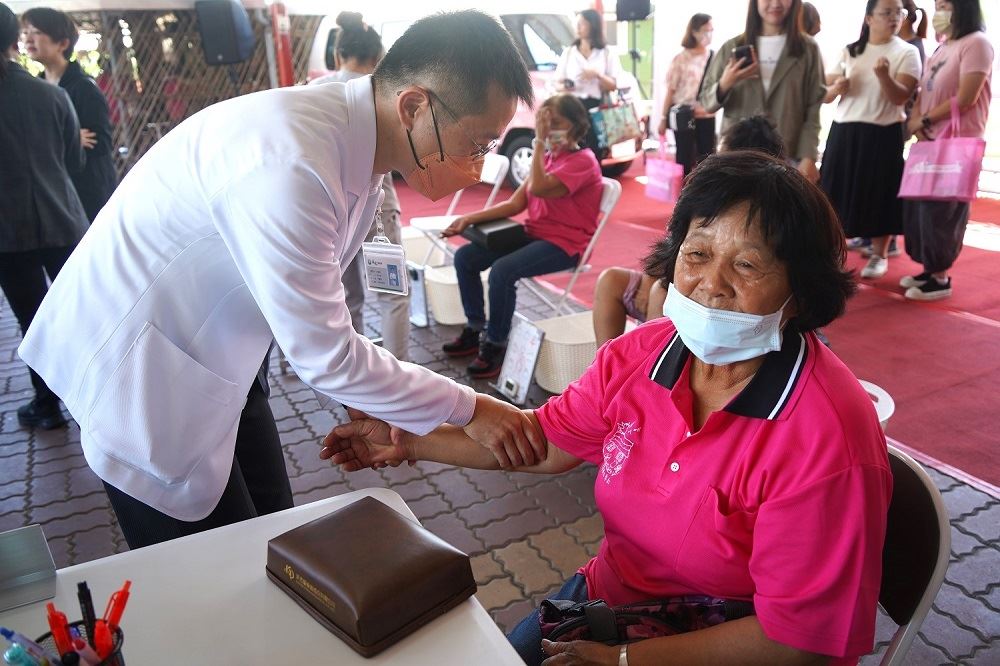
<point>664,177</point>
<point>946,169</point>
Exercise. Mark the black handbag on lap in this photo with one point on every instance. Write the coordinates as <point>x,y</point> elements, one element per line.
<point>504,235</point>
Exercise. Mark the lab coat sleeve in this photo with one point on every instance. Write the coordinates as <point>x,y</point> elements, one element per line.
<point>283,226</point>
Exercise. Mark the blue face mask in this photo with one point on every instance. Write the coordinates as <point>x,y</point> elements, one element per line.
<point>718,337</point>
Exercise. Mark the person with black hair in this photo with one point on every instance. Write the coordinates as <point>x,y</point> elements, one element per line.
<point>588,69</point>
<point>562,196</point>
<point>49,38</point>
<point>41,217</point>
<point>958,71</point>
<point>232,232</point>
<point>695,131</point>
<point>737,457</point>
<point>863,160</point>
<point>357,50</point>
<point>779,74</point>
<point>621,293</point>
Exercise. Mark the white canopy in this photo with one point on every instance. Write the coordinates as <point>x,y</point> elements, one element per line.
<point>316,7</point>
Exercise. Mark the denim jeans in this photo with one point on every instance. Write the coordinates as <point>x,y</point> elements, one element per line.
<point>526,637</point>
<point>538,257</point>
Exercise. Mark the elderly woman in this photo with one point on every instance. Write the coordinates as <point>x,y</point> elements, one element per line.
<point>739,458</point>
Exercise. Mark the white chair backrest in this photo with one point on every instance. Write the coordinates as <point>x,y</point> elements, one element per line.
<point>610,193</point>
<point>495,167</point>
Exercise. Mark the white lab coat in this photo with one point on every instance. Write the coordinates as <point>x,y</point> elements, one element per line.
<point>230,231</point>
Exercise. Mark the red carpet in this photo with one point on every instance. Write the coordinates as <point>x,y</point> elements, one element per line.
<point>940,361</point>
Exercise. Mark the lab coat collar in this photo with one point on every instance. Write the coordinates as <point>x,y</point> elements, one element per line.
<point>360,159</point>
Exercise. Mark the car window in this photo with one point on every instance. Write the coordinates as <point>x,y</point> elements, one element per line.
<point>331,42</point>
<point>541,38</point>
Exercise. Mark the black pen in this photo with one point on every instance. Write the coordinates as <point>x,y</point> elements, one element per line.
<point>87,609</point>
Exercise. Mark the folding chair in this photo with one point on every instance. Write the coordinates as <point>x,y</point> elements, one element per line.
<point>916,552</point>
<point>495,169</point>
<point>611,192</point>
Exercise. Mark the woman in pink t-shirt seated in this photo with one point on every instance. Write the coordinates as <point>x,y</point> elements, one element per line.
<point>738,457</point>
<point>562,196</point>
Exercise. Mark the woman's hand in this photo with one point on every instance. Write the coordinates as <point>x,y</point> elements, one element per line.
<point>735,72</point>
<point>915,126</point>
<point>365,442</point>
<point>88,139</point>
<point>662,129</point>
<point>840,87</point>
<point>580,653</point>
<point>807,167</point>
<point>459,225</point>
<point>881,67</point>
<point>587,74</point>
<point>543,122</point>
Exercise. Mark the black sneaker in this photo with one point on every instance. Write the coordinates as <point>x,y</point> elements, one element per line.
<point>932,290</point>
<point>908,281</point>
<point>44,415</point>
<point>488,362</point>
<point>465,344</point>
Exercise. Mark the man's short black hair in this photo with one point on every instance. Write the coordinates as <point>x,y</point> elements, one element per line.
<point>795,218</point>
<point>54,23</point>
<point>459,56</point>
<point>753,133</point>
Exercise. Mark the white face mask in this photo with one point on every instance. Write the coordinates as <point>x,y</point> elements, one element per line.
<point>718,337</point>
<point>557,140</point>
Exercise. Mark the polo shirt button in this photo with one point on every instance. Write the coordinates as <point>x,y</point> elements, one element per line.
<point>674,467</point>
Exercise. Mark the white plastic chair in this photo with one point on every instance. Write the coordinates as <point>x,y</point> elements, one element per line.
<point>611,192</point>
<point>916,552</point>
<point>495,169</point>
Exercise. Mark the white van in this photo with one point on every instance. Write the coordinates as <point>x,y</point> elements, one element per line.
<point>541,38</point>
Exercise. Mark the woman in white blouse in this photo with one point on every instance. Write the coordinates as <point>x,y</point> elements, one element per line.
<point>587,68</point>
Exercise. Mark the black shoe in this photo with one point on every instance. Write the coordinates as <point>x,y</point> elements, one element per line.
<point>44,415</point>
<point>488,362</point>
<point>465,344</point>
<point>932,290</point>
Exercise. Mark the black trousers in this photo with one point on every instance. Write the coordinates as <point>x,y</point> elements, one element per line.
<point>23,280</point>
<point>258,483</point>
<point>695,145</point>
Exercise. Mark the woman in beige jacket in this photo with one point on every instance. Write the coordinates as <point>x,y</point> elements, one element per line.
<point>782,78</point>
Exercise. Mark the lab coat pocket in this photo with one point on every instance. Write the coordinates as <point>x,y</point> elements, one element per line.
<point>161,411</point>
<point>716,548</point>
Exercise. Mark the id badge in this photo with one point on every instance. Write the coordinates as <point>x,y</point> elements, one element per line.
<point>385,266</point>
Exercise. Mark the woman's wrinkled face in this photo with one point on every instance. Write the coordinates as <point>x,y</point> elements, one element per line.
<point>728,265</point>
<point>774,12</point>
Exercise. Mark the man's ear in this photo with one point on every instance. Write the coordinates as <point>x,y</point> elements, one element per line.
<point>63,45</point>
<point>409,103</point>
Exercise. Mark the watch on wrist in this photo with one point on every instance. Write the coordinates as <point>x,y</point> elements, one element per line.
<point>537,143</point>
<point>925,121</point>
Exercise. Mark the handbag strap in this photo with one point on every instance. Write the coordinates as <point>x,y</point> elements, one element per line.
<point>704,73</point>
<point>602,622</point>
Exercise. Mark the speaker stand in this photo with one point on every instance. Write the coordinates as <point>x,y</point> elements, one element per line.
<point>635,55</point>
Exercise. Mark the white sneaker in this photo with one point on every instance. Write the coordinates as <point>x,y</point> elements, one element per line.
<point>876,268</point>
<point>908,281</point>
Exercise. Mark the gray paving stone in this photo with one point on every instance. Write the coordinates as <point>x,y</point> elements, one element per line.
<point>941,480</point>
<point>970,612</point>
<point>976,573</point>
<point>946,634</point>
<point>963,500</point>
<point>985,524</point>
<point>962,544</point>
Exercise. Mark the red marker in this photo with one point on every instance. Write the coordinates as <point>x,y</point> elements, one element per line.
<point>59,628</point>
<point>103,642</point>
<point>116,606</point>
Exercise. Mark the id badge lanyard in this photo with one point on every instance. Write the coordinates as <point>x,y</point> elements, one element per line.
<point>385,262</point>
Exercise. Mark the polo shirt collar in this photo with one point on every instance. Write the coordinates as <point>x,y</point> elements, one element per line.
<point>769,392</point>
<point>359,160</point>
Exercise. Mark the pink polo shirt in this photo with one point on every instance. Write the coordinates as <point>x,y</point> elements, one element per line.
<point>780,498</point>
<point>568,221</point>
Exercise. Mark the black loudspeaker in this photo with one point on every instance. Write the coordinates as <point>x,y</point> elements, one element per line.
<point>226,33</point>
<point>632,10</point>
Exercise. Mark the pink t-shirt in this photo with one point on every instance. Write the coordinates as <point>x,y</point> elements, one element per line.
<point>952,60</point>
<point>780,498</point>
<point>568,221</point>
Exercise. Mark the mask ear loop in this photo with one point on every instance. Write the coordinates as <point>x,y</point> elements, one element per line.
<point>437,134</point>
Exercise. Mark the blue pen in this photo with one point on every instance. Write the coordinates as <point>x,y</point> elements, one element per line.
<point>36,651</point>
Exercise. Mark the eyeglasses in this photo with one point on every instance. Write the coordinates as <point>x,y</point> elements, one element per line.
<point>890,14</point>
<point>481,150</point>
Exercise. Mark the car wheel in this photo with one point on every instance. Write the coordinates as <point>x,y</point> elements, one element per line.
<point>519,152</point>
<point>615,170</point>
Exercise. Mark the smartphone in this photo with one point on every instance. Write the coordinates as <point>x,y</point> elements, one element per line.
<point>568,84</point>
<point>743,53</point>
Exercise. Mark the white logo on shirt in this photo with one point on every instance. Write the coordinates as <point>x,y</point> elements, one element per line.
<point>617,449</point>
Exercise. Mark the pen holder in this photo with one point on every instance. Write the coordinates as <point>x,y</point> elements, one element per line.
<point>113,659</point>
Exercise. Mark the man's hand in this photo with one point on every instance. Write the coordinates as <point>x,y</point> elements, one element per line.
<point>459,225</point>
<point>88,139</point>
<point>507,432</point>
<point>580,653</point>
<point>365,442</point>
<point>807,167</point>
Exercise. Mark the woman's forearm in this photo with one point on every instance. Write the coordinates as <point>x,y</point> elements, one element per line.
<point>508,208</point>
<point>738,641</point>
<point>895,92</point>
<point>607,83</point>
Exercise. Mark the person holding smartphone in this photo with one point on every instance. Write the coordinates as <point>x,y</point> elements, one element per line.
<point>772,69</point>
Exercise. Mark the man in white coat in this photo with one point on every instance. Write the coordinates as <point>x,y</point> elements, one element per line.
<point>232,231</point>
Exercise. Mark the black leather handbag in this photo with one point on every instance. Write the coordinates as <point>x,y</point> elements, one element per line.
<point>503,236</point>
